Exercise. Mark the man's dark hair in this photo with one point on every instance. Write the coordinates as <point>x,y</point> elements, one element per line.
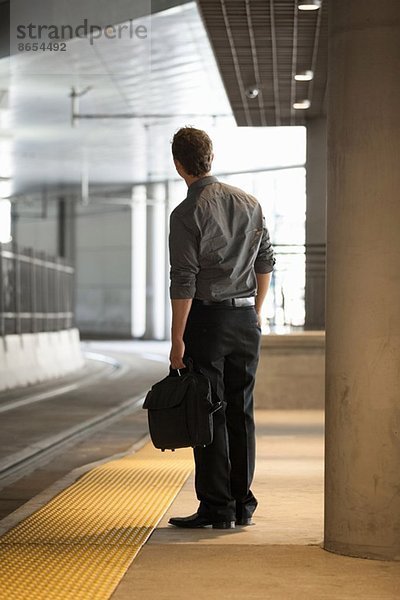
<point>193,148</point>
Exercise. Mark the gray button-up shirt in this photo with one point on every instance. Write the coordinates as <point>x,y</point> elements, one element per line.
<point>218,241</point>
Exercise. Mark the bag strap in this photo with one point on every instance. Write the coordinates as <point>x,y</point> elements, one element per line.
<point>188,369</point>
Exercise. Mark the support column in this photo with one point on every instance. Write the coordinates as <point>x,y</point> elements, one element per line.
<point>362,493</point>
<point>103,273</point>
<point>139,261</point>
<point>155,269</point>
<point>61,227</point>
<point>66,228</point>
<point>315,224</point>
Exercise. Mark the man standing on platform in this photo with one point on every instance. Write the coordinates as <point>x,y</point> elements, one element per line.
<point>221,263</point>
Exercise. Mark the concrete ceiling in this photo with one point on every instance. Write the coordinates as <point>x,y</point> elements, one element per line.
<point>174,77</point>
<point>175,74</point>
<point>102,12</point>
<point>264,43</point>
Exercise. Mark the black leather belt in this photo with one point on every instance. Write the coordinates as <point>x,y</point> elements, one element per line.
<point>229,302</point>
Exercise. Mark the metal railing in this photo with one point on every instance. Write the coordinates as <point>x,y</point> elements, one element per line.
<point>36,291</point>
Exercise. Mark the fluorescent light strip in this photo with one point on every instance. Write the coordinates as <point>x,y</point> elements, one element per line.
<point>309,4</point>
<point>302,105</point>
<point>304,76</point>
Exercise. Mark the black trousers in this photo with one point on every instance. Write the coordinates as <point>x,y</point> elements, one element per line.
<point>224,342</point>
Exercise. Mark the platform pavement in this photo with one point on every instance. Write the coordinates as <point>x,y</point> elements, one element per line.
<point>280,557</point>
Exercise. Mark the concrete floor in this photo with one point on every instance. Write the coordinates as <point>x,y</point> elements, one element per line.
<point>280,557</point>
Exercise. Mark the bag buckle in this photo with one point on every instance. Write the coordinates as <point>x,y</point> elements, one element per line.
<point>216,406</point>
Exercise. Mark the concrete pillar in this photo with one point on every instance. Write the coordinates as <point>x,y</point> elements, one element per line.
<point>104,269</point>
<point>363,280</point>
<point>139,260</point>
<point>155,266</point>
<point>315,224</point>
<point>66,228</point>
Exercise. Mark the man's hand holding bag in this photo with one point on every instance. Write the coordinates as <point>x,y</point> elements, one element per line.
<point>180,410</point>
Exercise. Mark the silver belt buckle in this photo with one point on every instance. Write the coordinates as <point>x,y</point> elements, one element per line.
<point>243,301</point>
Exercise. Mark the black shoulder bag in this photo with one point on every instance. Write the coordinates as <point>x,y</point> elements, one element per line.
<point>180,410</point>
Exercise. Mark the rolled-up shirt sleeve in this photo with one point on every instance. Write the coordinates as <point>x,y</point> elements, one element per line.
<point>265,259</point>
<point>183,254</point>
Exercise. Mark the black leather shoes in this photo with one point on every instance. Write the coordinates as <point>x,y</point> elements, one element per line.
<point>244,521</point>
<point>196,521</point>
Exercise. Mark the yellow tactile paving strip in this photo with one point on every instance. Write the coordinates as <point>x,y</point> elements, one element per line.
<point>80,544</point>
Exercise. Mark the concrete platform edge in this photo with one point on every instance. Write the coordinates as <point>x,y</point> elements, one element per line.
<point>29,358</point>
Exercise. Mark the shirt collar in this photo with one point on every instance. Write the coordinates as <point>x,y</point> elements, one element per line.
<point>200,183</point>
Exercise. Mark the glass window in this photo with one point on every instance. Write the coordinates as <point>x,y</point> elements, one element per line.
<point>282,196</point>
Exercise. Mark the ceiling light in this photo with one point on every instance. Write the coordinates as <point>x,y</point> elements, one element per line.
<point>302,104</point>
<point>309,4</point>
<point>304,76</point>
<point>252,92</point>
